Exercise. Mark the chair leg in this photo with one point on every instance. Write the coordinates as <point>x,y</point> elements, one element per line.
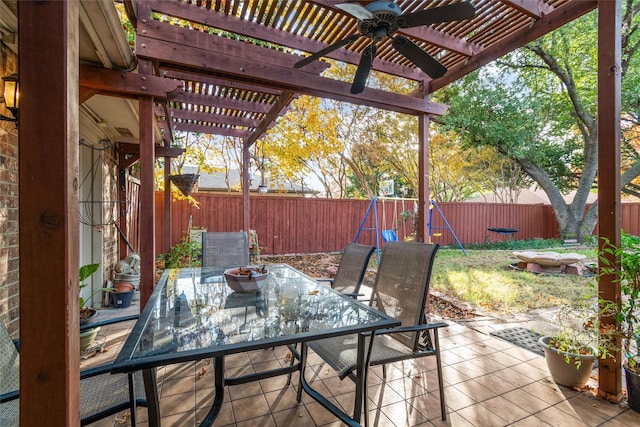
<point>443,405</point>
<point>303,363</point>
<point>132,399</point>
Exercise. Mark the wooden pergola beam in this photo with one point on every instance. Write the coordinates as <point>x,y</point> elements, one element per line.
<point>159,150</point>
<point>282,77</point>
<point>609,190</point>
<point>48,214</point>
<point>559,17</point>
<point>271,116</point>
<point>283,38</point>
<point>128,83</point>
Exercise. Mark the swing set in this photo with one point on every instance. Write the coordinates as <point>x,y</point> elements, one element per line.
<point>389,233</point>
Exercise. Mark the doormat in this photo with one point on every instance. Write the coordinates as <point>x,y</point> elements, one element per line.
<point>521,337</point>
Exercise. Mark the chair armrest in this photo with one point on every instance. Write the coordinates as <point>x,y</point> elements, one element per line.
<point>414,328</point>
<point>96,370</point>
<point>353,295</point>
<point>9,396</point>
<point>105,322</point>
<point>324,279</point>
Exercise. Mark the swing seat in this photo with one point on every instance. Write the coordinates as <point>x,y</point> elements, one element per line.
<point>389,236</point>
<point>500,230</point>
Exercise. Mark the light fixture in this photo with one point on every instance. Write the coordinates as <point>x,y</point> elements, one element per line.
<point>11,97</point>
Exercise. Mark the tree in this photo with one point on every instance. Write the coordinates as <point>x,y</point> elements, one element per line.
<point>538,107</point>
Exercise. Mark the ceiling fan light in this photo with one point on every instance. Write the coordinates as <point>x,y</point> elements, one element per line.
<point>384,6</point>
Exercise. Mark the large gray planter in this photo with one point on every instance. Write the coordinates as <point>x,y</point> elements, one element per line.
<point>575,373</point>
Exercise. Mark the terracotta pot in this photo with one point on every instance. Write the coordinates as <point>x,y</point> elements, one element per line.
<point>124,286</point>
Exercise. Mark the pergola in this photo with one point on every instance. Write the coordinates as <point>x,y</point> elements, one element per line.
<point>230,72</point>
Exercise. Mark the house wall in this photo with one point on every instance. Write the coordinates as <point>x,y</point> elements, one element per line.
<point>99,206</point>
<point>9,267</point>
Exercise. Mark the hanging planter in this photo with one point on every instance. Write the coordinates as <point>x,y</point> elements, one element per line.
<point>185,182</point>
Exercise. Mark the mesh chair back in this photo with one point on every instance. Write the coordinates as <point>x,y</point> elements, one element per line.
<point>9,362</point>
<point>222,249</point>
<point>402,284</point>
<point>353,265</point>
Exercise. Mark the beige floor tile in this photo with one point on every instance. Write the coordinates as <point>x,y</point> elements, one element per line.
<point>277,383</point>
<point>531,421</point>
<point>626,418</point>
<point>507,410</point>
<point>428,405</point>
<point>559,418</point>
<point>530,371</point>
<point>224,418</point>
<point>591,410</point>
<point>544,392</point>
<point>480,416</point>
<point>177,404</point>
<point>453,376</point>
<point>319,414</point>
<point>249,407</point>
<point>379,419</point>
<point>185,419</point>
<point>476,390</point>
<point>495,383</point>
<point>403,414</point>
<point>261,421</point>
<point>235,360</point>
<point>513,375</point>
<point>382,395</point>
<point>242,391</point>
<point>178,386</point>
<point>526,401</point>
<point>282,399</point>
<point>453,420</point>
<point>338,386</point>
<point>416,386</point>
<point>456,399</point>
<point>294,417</point>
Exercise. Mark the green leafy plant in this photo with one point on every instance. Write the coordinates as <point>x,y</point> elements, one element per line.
<point>627,312</point>
<point>184,254</point>
<point>579,333</point>
<point>84,273</point>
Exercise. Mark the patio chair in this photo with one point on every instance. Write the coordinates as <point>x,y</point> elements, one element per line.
<point>353,265</point>
<point>400,290</point>
<point>101,393</point>
<point>222,249</point>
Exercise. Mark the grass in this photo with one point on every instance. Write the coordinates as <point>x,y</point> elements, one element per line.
<point>485,279</point>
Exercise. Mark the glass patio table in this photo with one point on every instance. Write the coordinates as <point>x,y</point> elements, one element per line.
<point>193,314</point>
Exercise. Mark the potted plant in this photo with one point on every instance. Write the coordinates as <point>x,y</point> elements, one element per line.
<point>87,336</point>
<point>572,351</point>
<point>627,314</point>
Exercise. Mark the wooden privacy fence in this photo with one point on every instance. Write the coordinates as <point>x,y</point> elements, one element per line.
<point>289,225</point>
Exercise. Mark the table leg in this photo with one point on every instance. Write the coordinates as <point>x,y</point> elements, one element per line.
<point>153,400</point>
<point>218,371</point>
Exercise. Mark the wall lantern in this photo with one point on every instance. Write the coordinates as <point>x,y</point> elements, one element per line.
<point>11,97</point>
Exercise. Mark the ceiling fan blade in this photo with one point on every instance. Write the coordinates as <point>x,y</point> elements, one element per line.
<point>309,59</point>
<point>356,10</point>
<point>364,67</point>
<point>451,12</point>
<point>422,59</point>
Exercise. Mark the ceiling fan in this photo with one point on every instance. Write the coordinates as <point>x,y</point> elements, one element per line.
<point>381,19</point>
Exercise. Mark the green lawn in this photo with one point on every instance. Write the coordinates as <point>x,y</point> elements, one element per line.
<point>485,279</point>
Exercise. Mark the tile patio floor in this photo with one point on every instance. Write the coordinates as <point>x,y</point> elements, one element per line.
<point>488,382</point>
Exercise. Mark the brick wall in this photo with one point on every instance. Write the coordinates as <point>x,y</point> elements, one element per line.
<point>9,267</point>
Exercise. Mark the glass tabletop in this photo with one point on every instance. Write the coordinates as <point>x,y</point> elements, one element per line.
<point>193,313</point>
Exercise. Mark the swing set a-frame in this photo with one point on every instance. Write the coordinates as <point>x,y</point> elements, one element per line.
<point>389,234</point>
